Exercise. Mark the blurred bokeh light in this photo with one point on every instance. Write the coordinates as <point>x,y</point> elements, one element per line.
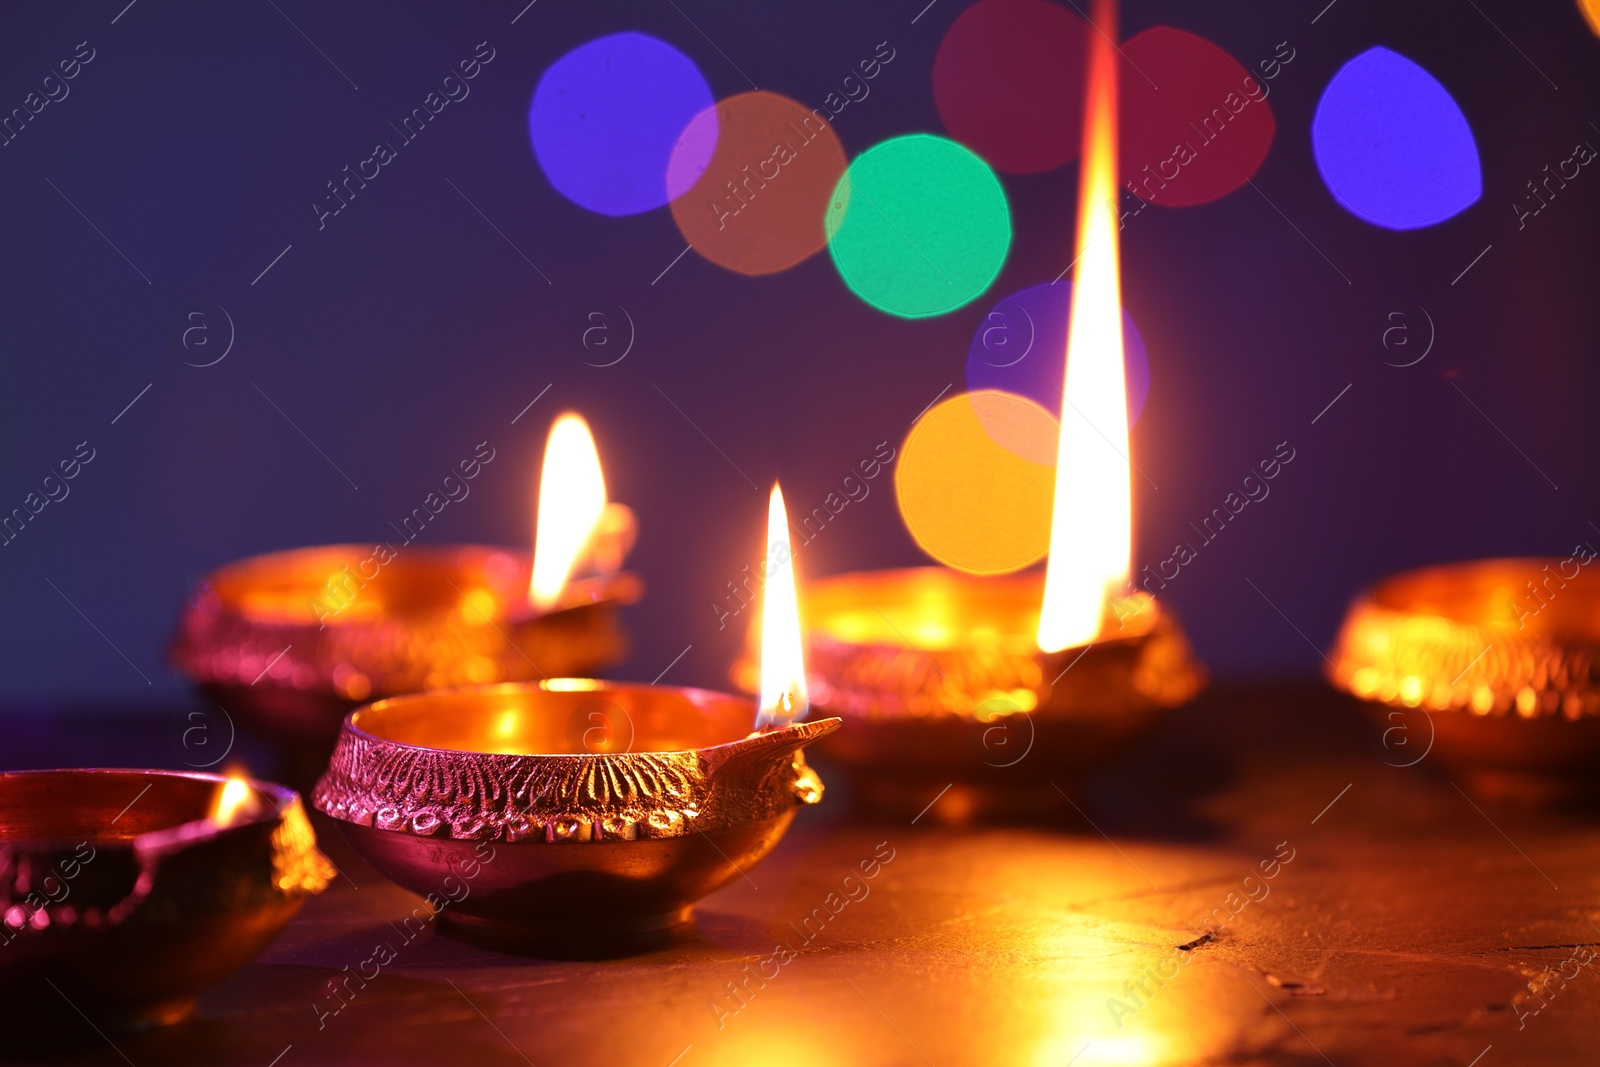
<point>757,205</point>
<point>1392,145</point>
<point>975,481</point>
<point>1008,83</point>
<point>606,116</point>
<point>1021,347</point>
<point>1195,123</point>
<point>918,226</point>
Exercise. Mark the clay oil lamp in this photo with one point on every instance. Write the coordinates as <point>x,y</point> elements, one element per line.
<point>123,893</point>
<point>582,815</point>
<point>968,696</point>
<point>1492,667</point>
<point>295,640</point>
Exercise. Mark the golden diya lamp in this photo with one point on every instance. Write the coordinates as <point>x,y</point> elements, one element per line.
<point>123,893</point>
<point>947,697</point>
<point>587,815</point>
<point>294,640</point>
<point>1492,666</point>
<point>987,694</point>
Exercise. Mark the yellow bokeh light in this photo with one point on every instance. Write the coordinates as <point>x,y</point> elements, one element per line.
<point>968,491</point>
<point>478,605</point>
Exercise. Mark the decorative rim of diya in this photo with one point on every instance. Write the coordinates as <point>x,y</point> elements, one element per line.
<point>296,620</point>
<point>874,653</point>
<point>386,774</point>
<point>1496,637</point>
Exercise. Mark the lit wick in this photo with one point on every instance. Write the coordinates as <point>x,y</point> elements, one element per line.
<point>783,672</point>
<point>575,528</point>
<point>1091,524</point>
<point>235,802</point>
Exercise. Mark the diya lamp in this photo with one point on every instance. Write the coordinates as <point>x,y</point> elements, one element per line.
<point>989,693</point>
<point>578,815</point>
<point>129,891</point>
<point>1493,666</point>
<point>294,640</point>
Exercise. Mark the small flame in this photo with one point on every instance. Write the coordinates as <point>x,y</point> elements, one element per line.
<point>1091,526</point>
<point>572,503</point>
<point>235,801</point>
<point>783,669</point>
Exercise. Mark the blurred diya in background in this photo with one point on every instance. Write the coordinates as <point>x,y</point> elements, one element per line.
<point>130,891</point>
<point>294,640</point>
<point>989,692</point>
<point>946,694</point>
<point>1493,666</point>
<point>580,816</point>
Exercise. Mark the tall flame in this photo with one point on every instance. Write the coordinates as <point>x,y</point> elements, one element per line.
<point>572,502</point>
<point>1091,526</point>
<point>235,800</point>
<point>783,669</point>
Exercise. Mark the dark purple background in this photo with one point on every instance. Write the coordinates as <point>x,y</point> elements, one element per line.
<point>408,330</point>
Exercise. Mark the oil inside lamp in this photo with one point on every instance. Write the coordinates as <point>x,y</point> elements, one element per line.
<point>783,696</point>
<point>1091,526</point>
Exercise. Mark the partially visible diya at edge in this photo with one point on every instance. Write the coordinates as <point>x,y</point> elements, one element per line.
<point>1492,665</point>
<point>129,891</point>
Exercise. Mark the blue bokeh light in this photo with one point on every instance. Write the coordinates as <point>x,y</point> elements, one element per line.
<point>606,116</point>
<point>1392,145</point>
<point>1021,347</point>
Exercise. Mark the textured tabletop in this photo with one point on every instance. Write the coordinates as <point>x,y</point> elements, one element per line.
<point>1258,885</point>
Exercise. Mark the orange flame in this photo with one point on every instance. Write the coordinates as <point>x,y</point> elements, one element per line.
<point>1091,526</point>
<point>572,503</point>
<point>1092,522</point>
<point>783,669</point>
<point>234,802</point>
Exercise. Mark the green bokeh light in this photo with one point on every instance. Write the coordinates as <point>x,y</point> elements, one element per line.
<point>918,226</point>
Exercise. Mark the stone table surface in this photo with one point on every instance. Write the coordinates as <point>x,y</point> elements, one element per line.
<point>1259,884</point>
